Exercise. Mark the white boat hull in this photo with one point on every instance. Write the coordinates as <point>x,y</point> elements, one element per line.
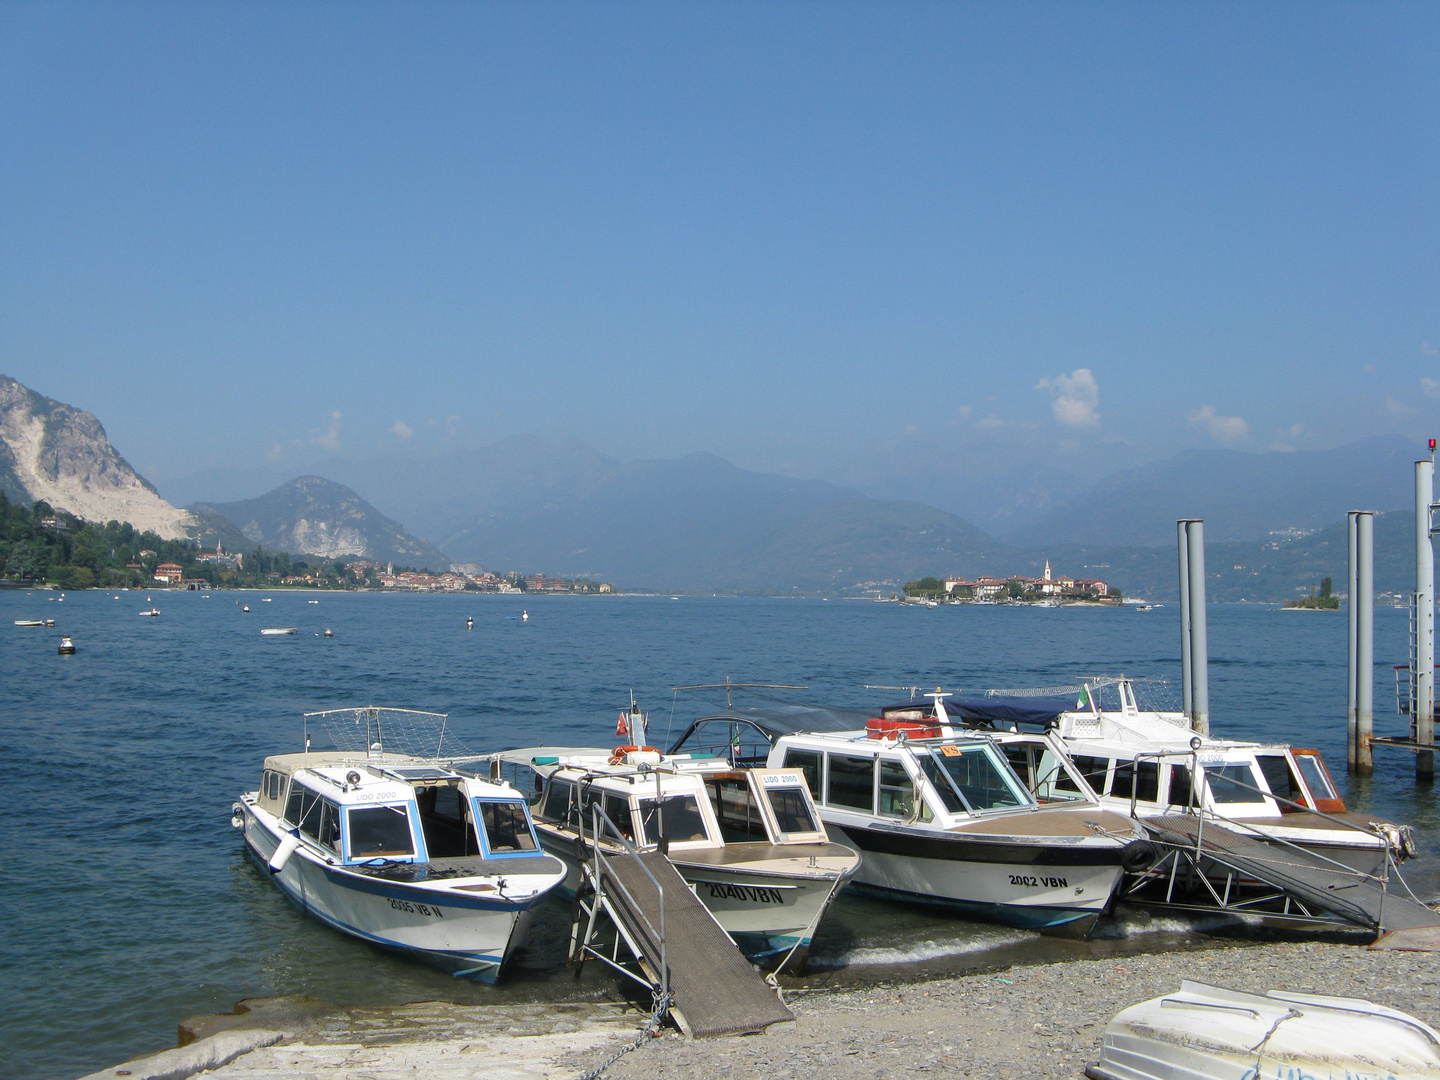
<point>465,934</point>
<point>1033,895</point>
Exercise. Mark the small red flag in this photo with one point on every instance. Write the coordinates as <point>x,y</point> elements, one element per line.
<point>622,726</point>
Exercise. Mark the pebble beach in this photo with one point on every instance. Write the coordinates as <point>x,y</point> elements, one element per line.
<point>1043,1021</point>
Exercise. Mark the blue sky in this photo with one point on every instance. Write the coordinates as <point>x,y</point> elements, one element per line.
<point>791,234</point>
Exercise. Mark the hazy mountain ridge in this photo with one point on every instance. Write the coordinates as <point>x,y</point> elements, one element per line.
<point>60,454</point>
<point>1241,496</point>
<point>314,516</point>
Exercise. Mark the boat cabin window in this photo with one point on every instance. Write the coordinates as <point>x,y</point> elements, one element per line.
<point>940,781</point>
<point>897,791</point>
<point>617,810</point>
<point>1092,770</point>
<point>1232,784</point>
<point>379,832</point>
<point>559,803</point>
<point>808,762</point>
<point>1280,779</point>
<point>1317,779</point>
<point>507,829</point>
<point>792,812</point>
<point>316,817</point>
<point>272,784</point>
<point>1052,781</point>
<point>851,782</point>
<point>1136,779</point>
<point>1180,791</point>
<point>445,821</point>
<point>735,809</point>
<point>981,778</point>
<point>677,818</point>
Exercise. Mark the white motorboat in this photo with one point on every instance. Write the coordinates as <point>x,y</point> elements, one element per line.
<point>399,849</point>
<point>1144,762</point>
<point>749,843</point>
<point>151,612</point>
<point>942,820</point>
<point>280,631</point>
<point>1208,1033</point>
<point>34,622</point>
<point>939,816</point>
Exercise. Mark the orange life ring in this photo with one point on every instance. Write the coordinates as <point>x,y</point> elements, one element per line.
<point>617,756</point>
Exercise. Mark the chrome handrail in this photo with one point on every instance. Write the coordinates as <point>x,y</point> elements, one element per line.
<point>600,824</point>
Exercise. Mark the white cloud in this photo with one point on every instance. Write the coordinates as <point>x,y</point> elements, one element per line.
<point>1226,430</point>
<point>965,412</point>
<point>990,423</point>
<point>275,454</point>
<point>401,430</point>
<point>1076,397</point>
<point>1429,387</point>
<point>329,439</point>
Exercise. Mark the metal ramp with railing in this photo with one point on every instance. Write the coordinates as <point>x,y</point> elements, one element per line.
<point>1205,866</point>
<point>682,954</point>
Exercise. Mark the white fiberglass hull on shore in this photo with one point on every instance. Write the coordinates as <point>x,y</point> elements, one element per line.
<point>467,929</point>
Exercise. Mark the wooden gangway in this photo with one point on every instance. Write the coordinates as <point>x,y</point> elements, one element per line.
<point>681,952</point>
<point>1215,867</point>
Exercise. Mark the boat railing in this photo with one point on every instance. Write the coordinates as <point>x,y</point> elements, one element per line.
<point>600,825</point>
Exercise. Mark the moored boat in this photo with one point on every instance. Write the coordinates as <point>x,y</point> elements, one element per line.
<point>399,849</point>
<point>280,631</point>
<point>749,843</point>
<point>1150,763</point>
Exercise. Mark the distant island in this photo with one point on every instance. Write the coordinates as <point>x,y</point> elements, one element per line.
<point>1324,600</point>
<point>41,546</point>
<point>1017,589</point>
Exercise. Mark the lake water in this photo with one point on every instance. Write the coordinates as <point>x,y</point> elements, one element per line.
<point>129,906</point>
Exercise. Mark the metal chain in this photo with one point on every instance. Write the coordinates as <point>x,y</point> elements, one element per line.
<point>652,1025</point>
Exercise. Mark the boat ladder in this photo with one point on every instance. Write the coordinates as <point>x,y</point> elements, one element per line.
<point>675,946</point>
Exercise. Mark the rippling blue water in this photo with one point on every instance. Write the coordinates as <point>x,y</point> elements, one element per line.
<point>129,906</point>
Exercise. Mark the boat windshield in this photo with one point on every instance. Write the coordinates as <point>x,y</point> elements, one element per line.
<point>1233,784</point>
<point>974,774</point>
<point>792,810</point>
<point>1316,778</point>
<point>507,829</point>
<point>676,817</point>
<point>380,832</point>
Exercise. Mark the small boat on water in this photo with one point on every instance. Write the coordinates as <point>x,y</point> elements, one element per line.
<point>399,849</point>
<point>34,622</point>
<point>151,612</point>
<point>67,647</point>
<point>1209,1033</point>
<point>280,631</point>
<point>749,843</point>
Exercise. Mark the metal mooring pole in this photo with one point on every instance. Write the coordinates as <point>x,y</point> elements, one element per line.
<point>1183,543</point>
<point>1199,644</point>
<point>1361,601</point>
<point>1424,704</point>
<point>1352,623</point>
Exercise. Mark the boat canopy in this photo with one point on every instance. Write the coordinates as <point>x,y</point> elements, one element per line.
<point>1008,712</point>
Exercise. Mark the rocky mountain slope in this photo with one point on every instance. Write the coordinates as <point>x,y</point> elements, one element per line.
<point>313,516</point>
<point>61,454</point>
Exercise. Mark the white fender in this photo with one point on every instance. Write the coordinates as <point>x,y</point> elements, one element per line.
<point>237,816</point>
<point>283,852</point>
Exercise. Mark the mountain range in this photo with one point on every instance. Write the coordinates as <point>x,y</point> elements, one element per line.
<point>699,523</point>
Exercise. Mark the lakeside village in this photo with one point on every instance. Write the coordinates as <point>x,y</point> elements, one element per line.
<point>40,547</point>
<point>1046,590</point>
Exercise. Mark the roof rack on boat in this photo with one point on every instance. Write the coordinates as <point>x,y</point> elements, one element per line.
<point>374,730</point>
